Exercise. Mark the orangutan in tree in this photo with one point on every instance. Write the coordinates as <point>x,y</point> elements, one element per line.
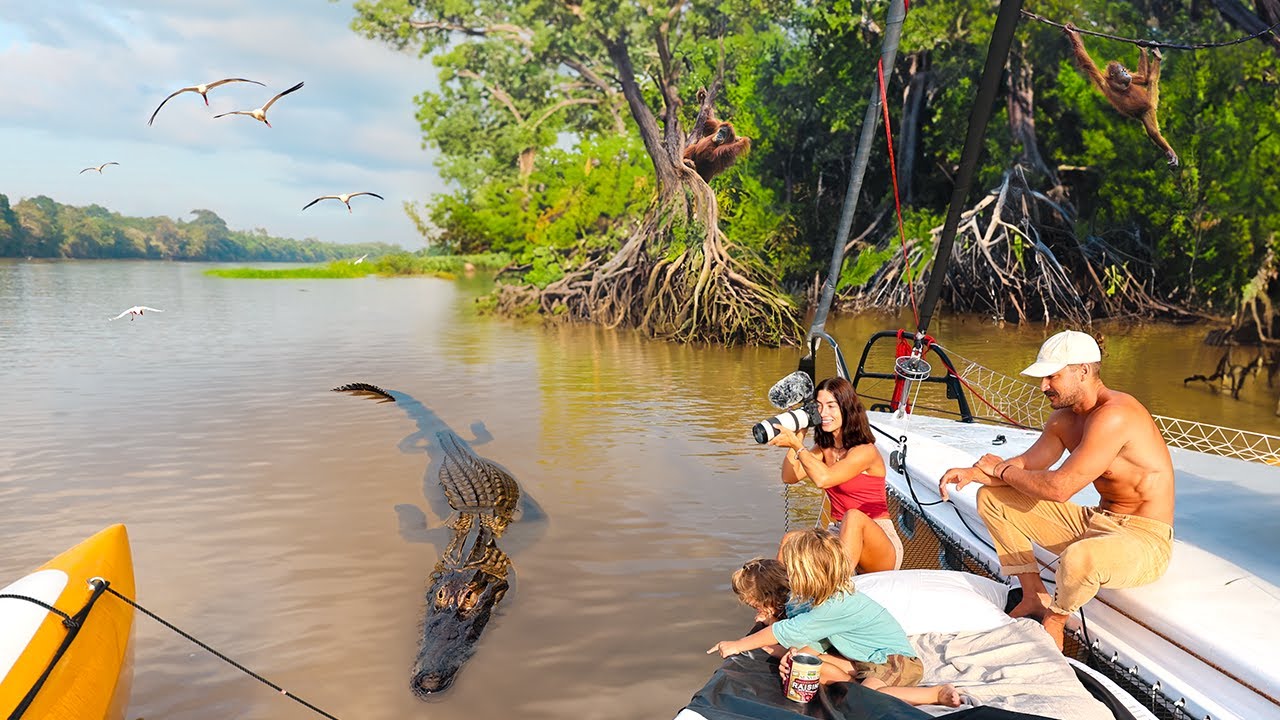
<point>718,148</point>
<point>1135,95</point>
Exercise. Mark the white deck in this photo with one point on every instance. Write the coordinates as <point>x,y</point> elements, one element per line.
<point>1219,597</point>
<point>19,619</point>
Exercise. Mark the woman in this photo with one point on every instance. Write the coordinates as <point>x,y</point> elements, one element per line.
<point>845,463</point>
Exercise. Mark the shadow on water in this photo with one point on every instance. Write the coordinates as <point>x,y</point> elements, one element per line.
<point>473,574</point>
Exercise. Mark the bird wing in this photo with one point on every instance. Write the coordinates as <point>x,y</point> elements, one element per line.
<point>126,312</point>
<point>224,81</point>
<point>277,97</point>
<point>368,193</point>
<point>322,197</point>
<point>162,102</point>
<point>87,170</point>
<point>233,112</point>
<point>106,164</point>
<point>149,309</point>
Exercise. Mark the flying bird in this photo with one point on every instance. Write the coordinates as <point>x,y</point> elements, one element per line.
<point>360,259</point>
<point>203,90</point>
<point>135,311</point>
<point>261,113</point>
<point>346,199</point>
<point>98,168</point>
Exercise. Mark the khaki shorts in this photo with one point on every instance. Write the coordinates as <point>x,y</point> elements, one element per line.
<point>896,670</point>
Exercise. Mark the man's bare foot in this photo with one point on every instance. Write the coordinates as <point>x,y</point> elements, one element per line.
<point>1055,624</point>
<point>948,695</point>
<point>1032,606</point>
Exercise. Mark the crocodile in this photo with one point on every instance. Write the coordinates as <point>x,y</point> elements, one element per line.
<point>470,579</point>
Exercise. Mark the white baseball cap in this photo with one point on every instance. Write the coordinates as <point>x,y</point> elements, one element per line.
<point>1069,347</point>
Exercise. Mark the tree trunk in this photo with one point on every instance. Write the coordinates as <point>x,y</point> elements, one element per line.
<point>664,165</point>
<point>913,104</point>
<point>1022,114</point>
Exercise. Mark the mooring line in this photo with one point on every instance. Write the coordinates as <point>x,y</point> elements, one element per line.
<point>211,650</point>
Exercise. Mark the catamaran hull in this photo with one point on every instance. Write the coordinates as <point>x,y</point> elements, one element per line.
<point>90,679</point>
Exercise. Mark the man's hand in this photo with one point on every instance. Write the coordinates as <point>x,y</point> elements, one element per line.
<point>987,464</point>
<point>963,476</point>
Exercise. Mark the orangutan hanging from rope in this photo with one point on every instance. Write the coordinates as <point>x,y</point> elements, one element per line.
<point>1135,95</point>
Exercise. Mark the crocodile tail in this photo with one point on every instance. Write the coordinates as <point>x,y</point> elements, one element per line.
<point>360,388</point>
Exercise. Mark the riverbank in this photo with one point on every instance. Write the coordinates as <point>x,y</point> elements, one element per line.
<point>446,266</point>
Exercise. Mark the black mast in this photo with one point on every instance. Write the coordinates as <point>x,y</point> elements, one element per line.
<point>997,56</point>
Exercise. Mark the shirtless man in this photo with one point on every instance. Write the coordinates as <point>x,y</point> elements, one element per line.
<point>1115,445</point>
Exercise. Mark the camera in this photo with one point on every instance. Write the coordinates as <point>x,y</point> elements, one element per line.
<point>805,416</point>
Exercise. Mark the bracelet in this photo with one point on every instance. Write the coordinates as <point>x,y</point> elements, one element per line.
<point>1002,472</point>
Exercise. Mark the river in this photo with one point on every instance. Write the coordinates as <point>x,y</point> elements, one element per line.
<point>290,528</point>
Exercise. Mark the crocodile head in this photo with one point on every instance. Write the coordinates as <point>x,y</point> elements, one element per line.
<point>459,605</point>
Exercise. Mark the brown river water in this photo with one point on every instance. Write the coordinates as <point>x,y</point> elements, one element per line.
<point>293,528</point>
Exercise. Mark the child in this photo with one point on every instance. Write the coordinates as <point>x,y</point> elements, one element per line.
<point>761,584</point>
<point>862,641</point>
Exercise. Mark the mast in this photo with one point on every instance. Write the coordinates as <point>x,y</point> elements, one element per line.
<point>997,56</point>
<point>888,50</point>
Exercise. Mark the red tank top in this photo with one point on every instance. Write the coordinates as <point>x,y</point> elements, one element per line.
<point>864,492</point>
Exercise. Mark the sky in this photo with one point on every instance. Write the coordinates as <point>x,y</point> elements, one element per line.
<point>80,78</point>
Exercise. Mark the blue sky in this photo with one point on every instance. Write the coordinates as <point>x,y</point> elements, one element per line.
<point>80,78</point>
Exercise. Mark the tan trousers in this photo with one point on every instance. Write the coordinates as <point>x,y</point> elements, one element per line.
<point>1094,547</point>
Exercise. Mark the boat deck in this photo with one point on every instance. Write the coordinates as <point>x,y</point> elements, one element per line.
<point>1206,629</point>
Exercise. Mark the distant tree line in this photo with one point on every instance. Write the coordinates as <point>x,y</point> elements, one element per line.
<point>42,227</point>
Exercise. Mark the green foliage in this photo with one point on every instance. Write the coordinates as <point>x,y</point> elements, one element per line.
<point>534,79</point>
<point>858,272</point>
<point>41,227</point>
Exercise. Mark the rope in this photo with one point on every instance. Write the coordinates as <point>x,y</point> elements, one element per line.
<point>220,656</point>
<point>897,202</point>
<point>978,395</point>
<point>1156,43</point>
<point>67,620</point>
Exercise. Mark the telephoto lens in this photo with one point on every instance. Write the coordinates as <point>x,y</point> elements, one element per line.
<point>805,416</point>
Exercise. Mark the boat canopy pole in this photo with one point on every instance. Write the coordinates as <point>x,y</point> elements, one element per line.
<point>888,51</point>
<point>997,56</point>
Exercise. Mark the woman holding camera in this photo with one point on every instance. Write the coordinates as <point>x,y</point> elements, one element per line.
<point>845,463</point>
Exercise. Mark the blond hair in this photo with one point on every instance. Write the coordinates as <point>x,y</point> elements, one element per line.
<point>817,566</point>
<point>762,584</point>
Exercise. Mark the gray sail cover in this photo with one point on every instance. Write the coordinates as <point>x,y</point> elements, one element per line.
<point>749,688</point>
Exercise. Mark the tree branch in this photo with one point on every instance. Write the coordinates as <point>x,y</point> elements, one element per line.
<point>496,92</point>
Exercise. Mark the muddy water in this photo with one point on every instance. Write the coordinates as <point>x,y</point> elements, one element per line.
<point>293,528</point>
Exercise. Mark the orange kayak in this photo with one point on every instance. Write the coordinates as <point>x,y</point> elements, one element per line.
<point>49,671</point>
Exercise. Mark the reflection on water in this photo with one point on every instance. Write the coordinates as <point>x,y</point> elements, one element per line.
<point>267,514</point>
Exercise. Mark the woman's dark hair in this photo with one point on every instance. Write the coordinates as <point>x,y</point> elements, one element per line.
<point>856,429</point>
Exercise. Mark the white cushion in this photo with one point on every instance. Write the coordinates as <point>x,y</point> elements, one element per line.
<point>943,601</point>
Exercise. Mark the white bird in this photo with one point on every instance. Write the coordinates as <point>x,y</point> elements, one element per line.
<point>261,113</point>
<point>136,311</point>
<point>360,259</point>
<point>346,199</point>
<point>203,90</point>
<point>98,168</point>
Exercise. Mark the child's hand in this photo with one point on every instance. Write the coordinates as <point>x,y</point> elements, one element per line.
<point>784,664</point>
<point>725,648</point>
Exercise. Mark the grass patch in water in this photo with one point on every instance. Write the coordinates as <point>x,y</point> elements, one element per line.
<point>396,264</point>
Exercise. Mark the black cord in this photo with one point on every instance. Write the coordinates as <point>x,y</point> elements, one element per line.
<point>220,656</point>
<point>67,620</point>
<point>1154,43</point>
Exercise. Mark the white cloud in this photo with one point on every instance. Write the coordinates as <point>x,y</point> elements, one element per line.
<point>91,74</point>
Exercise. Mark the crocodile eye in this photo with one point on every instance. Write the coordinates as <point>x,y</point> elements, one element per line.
<point>441,598</point>
<point>470,600</point>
